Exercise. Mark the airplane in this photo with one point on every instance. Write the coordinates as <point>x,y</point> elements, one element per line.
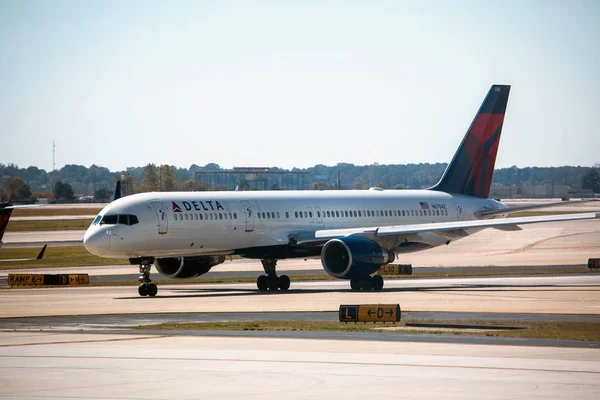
<point>354,232</point>
<point>6,209</point>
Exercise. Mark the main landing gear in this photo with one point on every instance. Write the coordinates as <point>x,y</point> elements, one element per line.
<point>271,281</point>
<point>146,288</point>
<point>369,283</point>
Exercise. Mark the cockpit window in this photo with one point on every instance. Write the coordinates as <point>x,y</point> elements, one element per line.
<point>109,219</point>
<point>121,219</point>
<point>97,219</point>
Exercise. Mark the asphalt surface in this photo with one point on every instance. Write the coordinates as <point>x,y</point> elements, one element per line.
<point>290,365</point>
<point>130,273</point>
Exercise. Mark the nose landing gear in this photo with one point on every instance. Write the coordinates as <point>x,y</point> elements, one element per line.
<point>146,288</point>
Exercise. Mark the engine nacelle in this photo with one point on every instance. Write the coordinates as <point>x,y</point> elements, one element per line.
<point>352,257</point>
<point>186,267</point>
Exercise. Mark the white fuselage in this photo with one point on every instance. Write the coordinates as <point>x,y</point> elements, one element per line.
<point>171,224</point>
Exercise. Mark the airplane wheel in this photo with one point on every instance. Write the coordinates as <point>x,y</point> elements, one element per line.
<point>284,282</point>
<point>143,289</point>
<point>354,284</point>
<point>152,289</point>
<point>367,283</point>
<point>273,282</point>
<point>377,282</point>
<point>262,282</point>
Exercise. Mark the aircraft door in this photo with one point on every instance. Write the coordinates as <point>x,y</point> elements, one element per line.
<point>249,216</point>
<point>311,216</point>
<point>460,211</point>
<point>319,215</point>
<point>161,215</point>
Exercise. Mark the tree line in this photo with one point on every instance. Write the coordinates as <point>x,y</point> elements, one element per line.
<point>73,181</point>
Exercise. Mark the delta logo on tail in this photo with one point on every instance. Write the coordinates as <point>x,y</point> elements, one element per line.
<point>471,170</point>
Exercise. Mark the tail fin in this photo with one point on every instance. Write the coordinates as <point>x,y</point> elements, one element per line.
<point>117,190</point>
<point>470,171</point>
<point>5,211</point>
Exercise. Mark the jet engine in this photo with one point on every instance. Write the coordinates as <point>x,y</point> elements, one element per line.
<point>353,257</point>
<point>186,267</point>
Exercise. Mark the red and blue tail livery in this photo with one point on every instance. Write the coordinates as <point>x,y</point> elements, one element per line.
<point>470,171</point>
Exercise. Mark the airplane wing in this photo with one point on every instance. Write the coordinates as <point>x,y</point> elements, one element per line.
<point>451,229</point>
<point>39,257</point>
<point>510,210</point>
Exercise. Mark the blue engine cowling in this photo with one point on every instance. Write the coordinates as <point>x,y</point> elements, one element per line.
<point>353,257</point>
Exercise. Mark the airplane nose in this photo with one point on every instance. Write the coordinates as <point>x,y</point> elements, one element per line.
<point>97,242</point>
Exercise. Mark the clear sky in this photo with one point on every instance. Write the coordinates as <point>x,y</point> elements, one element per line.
<point>294,84</point>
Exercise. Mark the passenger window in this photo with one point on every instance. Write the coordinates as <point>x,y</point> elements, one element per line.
<point>318,214</point>
<point>359,213</point>
<point>287,214</point>
<point>201,218</point>
<point>310,214</point>
<point>337,214</point>
<point>296,214</point>
<point>220,215</point>
<point>230,216</point>
<point>234,215</point>
<point>268,214</point>
<point>305,214</point>
<point>224,215</point>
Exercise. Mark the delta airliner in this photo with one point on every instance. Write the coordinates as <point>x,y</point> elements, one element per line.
<point>185,234</point>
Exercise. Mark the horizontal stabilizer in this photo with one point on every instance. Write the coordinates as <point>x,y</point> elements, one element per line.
<point>510,210</point>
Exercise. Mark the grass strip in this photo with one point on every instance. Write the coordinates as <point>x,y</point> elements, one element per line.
<point>55,225</point>
<point>583,331</point>
<point>55,257</point>
<point>51,211</point>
